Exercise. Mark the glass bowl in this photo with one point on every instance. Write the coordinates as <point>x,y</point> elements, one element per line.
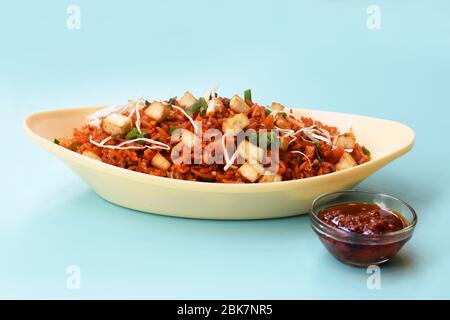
<point>359,249</point>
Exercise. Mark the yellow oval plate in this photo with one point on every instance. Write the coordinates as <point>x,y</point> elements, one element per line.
<point>387,140</point>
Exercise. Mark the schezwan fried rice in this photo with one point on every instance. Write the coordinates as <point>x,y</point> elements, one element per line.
<point>215,139</point>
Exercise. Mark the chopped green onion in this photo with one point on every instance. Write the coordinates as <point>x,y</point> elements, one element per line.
<point>172,129</point>
<point>203,109</point>
<point>74,146</point>
<point>283,114</point>
<point>267,111</point>
<point>134,134</point>
<point>200,105</point>
<point>248,94</point>
<point>366,151</point>
<point>56,141</point>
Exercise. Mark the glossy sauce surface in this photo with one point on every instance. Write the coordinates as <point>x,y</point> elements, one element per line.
<point>363,218</point>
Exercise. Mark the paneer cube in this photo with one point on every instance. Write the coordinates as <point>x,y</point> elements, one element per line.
<point>345,162</point>
<point>158,161</point>
<point>269,176</point>
<point>116,124</point>
<point>235,124</point>
<point>251,153</point>
<point>91,155</point>
<point>346,141</point>
<point>251,172</point>
<point>213,104</point>
<point>277,106</point>
<point>187,100</point>
<point>157,111</point>
<point>238,105</point>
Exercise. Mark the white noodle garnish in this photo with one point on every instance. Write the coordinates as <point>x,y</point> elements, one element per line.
<point>228,161</point>
<point>224,147</point>
<point>311,132</point>
<point>122,145</point>
<point>95,118</point>
<point>287,132</point>
<point>158,143</point>
<point>105,140</point>
<point>136,106</point>
<point>190,119</point>
<point>299,152</point>
<point>139,104</point>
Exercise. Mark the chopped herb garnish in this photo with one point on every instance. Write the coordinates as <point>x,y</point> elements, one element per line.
<point>248,94</point>
<point>283,114</point>
<point>366,151</point>
<point>134,134</point>
<point>172,129</point>
<point>200,105</point>
<point>74,146</point>
<point>56,141</point>
<point>267,111</point>
<point>203,108</point>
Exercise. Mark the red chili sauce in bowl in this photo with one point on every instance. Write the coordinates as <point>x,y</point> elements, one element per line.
<point>358,227</point>
<point>363,218</point>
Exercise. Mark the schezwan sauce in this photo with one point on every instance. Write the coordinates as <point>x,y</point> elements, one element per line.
<point>363,218</point>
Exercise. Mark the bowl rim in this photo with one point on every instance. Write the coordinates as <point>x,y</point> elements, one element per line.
<point>348,236</point>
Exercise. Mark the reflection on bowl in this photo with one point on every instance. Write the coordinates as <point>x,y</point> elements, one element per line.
<point>361,249</point>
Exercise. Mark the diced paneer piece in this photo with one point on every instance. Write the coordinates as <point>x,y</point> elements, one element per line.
<point>187,100</point>
<point>157,111</point>
<point>277,106</point>
<point>187,138</point>
<point>235,124</point>
<point>284,143</point>
<point>250,152</point>
<point>213,104</point>
<point>269,176</point>
<point>251,172</point>
<point>158,161</point>
<point>345,162</point>
<point>116,124</point>
<point>346,141</point>
<point>238,105</point>
<point>91,155</point>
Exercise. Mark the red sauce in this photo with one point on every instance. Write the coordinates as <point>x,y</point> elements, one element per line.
<point>363,218</point>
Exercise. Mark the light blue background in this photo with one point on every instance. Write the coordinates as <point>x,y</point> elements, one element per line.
<point>316,54</point>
